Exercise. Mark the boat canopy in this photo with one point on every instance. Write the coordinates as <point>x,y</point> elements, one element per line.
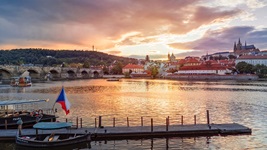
<point>17,102</point>
<point>52,125</point>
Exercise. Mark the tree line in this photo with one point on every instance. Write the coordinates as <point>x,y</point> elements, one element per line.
<point>49,57</point>
<point>246,68</point>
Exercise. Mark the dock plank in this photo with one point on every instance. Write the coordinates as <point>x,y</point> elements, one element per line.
<point>112,133</point>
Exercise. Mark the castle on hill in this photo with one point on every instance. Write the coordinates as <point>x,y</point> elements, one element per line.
<point>240,49</point>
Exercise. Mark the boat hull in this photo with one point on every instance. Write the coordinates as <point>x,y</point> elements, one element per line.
<point>28,121</point>
<point>28,142</point>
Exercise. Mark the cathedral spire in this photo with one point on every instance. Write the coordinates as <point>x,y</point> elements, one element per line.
<point>235,47</point>
<point>239,41</point>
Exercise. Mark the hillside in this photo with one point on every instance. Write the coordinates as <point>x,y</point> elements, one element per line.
<point>48,57</point>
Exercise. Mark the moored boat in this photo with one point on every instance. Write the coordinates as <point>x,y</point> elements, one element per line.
<point>52,139</point>
<point>13,110</point>
<point>113,79</point>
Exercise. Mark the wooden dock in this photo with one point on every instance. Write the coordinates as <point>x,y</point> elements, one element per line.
<point>138,132</point>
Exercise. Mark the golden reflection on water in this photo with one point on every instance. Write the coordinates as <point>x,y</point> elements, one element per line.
<point>227,101</point>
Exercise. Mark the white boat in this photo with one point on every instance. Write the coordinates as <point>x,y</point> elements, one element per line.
<point>52,139</point>
<point>13,110</point>
<point>113,79</point>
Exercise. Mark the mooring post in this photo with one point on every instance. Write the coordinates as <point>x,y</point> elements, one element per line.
<point>151,124</point>
<point>100,122</point>
<point>127,122</point>
<point>114,122</point>
<point>81,122</point>
<point>95,122</point>
<point>208,117</point>
<point>195,119</point>
<point>182,120</point>
<point>167,126</point>
<point>142,123</point>
<point>5,124</point>
<point>77,122</point>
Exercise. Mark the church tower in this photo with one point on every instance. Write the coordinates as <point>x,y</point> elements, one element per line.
<point>169,57</point>
<point>239,45</point>
<point>235,48</point>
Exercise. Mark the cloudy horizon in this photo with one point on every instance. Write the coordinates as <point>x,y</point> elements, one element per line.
<point>134,28</point>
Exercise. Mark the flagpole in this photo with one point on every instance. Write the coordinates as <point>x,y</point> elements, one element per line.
<point>56,101</point>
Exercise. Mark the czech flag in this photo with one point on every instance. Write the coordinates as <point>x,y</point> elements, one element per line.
<point>63,100</point>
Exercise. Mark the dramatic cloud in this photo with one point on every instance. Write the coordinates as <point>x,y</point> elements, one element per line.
<point>83,22</point>
<point>112,25</point>
<point>223,39</point>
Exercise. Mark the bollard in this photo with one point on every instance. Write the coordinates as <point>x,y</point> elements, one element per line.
<point>5,124</point>
<point>95,122</point>
<point>151,124</point>
<point>182,120</point>
<point>208,117</point>
<point>195,119</point>
<point>142,123</point>
<point>167,126</point>
<point>77,122</point>
<point>99,122</point>
<point>127,122</point>
<point>81,122</point>
<point>66,119</point>
<point>114,122</point>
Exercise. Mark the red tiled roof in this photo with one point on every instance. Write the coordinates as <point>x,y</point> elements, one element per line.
<point>192,60</point>
<point>203,67</point>
<point>132,66</point>
<point>252,57</point>
<point>182,61</point>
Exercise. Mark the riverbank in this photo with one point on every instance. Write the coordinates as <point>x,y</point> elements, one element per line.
<point>212,77</point>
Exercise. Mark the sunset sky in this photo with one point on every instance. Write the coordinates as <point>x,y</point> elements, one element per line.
<point>134,28</point>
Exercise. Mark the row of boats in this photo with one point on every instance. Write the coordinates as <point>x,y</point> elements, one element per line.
<point>12,116</point>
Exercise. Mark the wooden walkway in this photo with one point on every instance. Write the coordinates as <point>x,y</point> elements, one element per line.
<point>137,132</point>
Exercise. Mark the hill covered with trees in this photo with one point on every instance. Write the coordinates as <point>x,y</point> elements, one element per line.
<point>47,57</point>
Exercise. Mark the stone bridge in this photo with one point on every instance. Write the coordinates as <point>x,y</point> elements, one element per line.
<point>49,73</point>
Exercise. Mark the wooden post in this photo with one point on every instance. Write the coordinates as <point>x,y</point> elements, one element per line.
<point>167,126</point>
<point>182,120</point>
<point>5,124</point>
<point>81,122</point>
<point>66,119</point>
<point>195,119</point>
<point>142,123</point>
<point>151,124</point>
<point>99,122</point>
<point>95,122</point>
<point>208,117</point>
<point>114,122</point>
<point>77,122</point>
<point>37,134</point>
<point>127,122</point>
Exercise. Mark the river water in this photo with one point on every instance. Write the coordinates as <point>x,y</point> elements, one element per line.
<point>227,101</point>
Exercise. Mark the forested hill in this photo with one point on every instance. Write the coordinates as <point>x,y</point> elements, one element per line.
<point>47,57</point>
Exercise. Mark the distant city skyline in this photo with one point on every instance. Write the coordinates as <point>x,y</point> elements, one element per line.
<point>134,28</point>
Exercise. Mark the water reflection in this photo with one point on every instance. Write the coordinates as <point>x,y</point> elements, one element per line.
<point>228,101</point>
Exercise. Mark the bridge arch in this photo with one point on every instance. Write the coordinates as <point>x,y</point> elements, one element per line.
<point>54,74</point>
<point>85,74</point>
<point>34,74</point>
<point>71,74</point>
<point>95,74</point>
<point>5,74</point>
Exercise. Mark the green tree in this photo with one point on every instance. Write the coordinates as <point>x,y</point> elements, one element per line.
<point>117,69</point>
<point>154,71</point>
<point>261,70</point>
<point>244,67</point>
<point>86,64</point>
